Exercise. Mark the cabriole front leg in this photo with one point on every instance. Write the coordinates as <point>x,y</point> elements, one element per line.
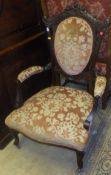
<point>16,137</point>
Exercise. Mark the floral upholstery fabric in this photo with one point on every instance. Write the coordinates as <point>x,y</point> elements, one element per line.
<point>54,115</point>
<point>29,72</point>
<point>73,45</point>
<point>100,85</point>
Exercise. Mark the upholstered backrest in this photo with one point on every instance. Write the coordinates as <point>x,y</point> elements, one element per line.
<point>73,44</point>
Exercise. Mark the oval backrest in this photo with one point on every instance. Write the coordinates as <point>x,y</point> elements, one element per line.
<point>73,44</point>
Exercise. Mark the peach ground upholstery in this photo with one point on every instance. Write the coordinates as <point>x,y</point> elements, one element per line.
<point>73,45</point>
<point>54,115</point>
<point>29,72</point>
<point>100,85</point>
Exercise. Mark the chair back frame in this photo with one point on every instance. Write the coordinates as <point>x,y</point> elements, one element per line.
<point>98,29</point>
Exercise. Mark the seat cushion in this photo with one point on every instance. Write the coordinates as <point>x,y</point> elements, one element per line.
<point>54,115</point>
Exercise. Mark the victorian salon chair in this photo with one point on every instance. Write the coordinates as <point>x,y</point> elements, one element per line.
<point>61,115</point>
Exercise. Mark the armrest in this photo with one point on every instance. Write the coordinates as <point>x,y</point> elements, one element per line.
<point>100,85</point>
<point>27,73</point>
<point>30,71</point>
<point>90,117</point>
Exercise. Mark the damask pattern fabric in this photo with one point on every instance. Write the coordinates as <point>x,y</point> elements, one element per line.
<point>100,86</point>
<point>25,74</point>
<point>73,45</point>
<point>54,115</point>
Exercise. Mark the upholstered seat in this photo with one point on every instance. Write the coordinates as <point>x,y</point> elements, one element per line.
<point>54,115</point>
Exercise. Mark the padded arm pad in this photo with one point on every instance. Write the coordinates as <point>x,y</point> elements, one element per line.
<point>100,85</point>
<point>99,89</point>
<point>25,74</point>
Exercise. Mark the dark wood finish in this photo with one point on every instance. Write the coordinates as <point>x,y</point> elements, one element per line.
<point>80,156</point>
<point>22,44</point>
<point>107,61</point>
<point>14,134</point>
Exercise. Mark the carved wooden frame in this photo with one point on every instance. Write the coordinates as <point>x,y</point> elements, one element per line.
<point>98,28</point>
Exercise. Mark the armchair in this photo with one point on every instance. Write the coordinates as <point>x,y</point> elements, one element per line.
<point>61,115</point>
